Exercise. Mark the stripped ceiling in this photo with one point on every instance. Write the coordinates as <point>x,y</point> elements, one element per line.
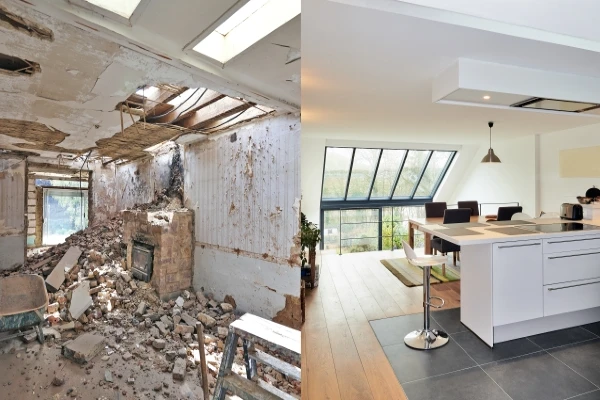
<point>96,90</point>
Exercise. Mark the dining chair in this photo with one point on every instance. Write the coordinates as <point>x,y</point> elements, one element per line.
<point>435,209</point>
<point>455,216</point>
<point>472,204</point>
<point>506,213</point>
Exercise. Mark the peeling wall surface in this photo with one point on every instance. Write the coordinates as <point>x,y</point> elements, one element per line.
<point>245,189</point>
<point>138,181</point>
<point>12,212</point>
<point>104,192</point>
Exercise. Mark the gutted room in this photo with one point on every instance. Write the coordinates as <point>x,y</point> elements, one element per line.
<point>150,199</point>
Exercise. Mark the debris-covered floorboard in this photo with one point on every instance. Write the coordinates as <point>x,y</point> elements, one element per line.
<point>138,345</point>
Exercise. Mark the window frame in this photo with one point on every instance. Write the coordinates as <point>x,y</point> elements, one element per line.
<point>345,203</point>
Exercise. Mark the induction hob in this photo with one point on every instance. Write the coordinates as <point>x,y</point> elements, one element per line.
<point>561,227</point>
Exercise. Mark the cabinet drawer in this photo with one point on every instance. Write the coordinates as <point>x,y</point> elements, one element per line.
<point>572,243</point>
<point>571,266</point>
<point>572,296</point>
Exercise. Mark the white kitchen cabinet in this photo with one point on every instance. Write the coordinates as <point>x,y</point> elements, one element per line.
<point>517,281</point>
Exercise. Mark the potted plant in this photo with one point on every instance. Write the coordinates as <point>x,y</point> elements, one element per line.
<point>310,236</point>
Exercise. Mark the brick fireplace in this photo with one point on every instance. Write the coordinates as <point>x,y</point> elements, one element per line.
<point>165,240</point>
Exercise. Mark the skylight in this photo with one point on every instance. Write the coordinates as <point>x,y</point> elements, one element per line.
<point>378,175</point>
<point>252,22</point>
<point>240,16</point>
<point>124,8</point>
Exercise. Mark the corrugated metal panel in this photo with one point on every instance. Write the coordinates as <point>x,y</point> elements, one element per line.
<point>246,192</point>
<point>12,196</point>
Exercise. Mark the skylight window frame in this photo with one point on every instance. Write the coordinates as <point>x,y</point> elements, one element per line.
<point>345,203</point>
<point>227,55</point>
<point>86,6</point>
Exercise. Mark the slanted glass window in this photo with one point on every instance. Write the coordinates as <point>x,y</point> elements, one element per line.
<point>363,171</point>
<point>390,163</point>
<point>384,176</point>
<point>433,174</point>
<point>337,170</point>
<point>411,173</point>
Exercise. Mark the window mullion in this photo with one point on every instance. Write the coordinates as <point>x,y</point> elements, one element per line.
<point>375,175</point>
<point>349,174</point>
<point>323,175</point>
<point>412,196</point>
<point>398,175</point>
<point>442,175</point>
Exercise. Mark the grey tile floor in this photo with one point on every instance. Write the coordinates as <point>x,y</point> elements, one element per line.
<point>552,366</point>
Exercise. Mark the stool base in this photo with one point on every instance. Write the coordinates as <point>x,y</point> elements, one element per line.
<point>426,339</point>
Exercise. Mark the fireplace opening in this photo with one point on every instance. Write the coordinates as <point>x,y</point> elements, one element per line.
<point>142,256</point>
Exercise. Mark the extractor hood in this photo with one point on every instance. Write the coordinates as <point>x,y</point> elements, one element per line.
<point>485,84</point>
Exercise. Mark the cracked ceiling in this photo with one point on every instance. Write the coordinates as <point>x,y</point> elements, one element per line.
<point>74,104</point>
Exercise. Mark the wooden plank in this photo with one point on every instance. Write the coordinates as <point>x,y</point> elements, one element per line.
<point>248,390</point>
<point>279,365</point>
<point>389,306</point>
<point>319,377</point>
<point>382,380</point>
<point>219,109</point>
<point>352,380</point>
<point>253,327</point>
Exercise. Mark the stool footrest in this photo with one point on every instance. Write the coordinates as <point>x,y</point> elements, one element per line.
<point>436,305</point>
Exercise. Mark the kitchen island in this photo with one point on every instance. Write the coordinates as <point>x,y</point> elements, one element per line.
<point>532,277</point>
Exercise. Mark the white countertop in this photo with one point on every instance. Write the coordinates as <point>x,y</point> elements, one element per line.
<point>488,236</point>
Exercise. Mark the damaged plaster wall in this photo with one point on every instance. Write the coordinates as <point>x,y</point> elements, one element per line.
<point>103,189</point>
<point>139,181</point>
<point>13,173</point>
<point>244,187</point>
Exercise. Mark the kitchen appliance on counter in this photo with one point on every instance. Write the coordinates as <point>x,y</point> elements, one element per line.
<point>573,212</point>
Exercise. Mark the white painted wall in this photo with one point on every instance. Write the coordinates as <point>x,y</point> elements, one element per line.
<point>511,180</point>
<point>555,190</point>
<point>12,211</point>
<point>244,187</point>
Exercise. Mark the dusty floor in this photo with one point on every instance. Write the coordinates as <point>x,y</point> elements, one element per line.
<point>27,371</point>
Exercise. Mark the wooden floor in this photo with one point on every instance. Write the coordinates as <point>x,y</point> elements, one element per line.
<point>341,357</point>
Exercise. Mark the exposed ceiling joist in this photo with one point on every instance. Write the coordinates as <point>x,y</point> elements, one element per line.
<point>224,107</point>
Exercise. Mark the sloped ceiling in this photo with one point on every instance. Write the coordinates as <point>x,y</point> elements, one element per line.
<point>86,72</point>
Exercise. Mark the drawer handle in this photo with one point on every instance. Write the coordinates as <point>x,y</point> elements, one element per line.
<point>579,284</point>
<point>574,255</point>
<point>568,241</point>
<point>519,245</point>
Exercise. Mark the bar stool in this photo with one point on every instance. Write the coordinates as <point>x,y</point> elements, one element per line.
<point>426,338</point>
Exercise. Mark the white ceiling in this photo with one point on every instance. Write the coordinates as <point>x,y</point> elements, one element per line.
<point>369,73</point>
<point>94,63</point>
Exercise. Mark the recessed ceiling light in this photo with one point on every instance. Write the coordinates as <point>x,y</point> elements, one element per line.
<point>124,8</point>
<point>252,22</point>
<point>486,97</point>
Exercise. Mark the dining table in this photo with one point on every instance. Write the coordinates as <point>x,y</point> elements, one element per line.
<point>416,224</point>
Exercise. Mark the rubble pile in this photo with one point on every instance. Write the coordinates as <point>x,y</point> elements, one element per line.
<point>129,322</point>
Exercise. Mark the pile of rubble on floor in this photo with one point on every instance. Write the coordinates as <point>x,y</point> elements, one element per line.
<point>97,310</point>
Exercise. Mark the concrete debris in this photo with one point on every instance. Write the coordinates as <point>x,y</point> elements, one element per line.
<point>179,369</point>
<point>80,300</point>
<point>84,348</point>
<point>130,325</point>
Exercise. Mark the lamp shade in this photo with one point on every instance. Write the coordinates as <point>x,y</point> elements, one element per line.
<point>490,157</point>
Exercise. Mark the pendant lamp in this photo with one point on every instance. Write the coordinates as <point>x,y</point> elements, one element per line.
<point>490,157</point>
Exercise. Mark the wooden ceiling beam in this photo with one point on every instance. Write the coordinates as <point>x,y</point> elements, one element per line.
<point>209,98</point>
<point>215,111</point>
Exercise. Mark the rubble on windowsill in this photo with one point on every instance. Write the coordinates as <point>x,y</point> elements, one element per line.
<point>128,313</point>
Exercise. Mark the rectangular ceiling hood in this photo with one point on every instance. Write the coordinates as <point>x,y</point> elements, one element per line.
<point>537,103</point>
<point>484,84</point>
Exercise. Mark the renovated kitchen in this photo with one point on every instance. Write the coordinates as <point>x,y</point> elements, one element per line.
<point>528,276</point>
